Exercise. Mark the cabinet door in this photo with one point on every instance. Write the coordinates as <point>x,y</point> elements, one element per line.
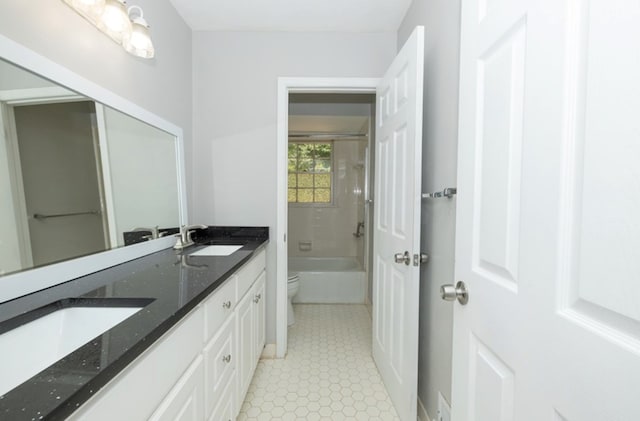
<point>259,316</point>
<point>219,364</point>
<point>185,402</point>
<point>224,411</point>
<point>245,344</point>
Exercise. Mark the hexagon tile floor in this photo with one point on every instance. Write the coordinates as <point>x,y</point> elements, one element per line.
<point>328,373</point>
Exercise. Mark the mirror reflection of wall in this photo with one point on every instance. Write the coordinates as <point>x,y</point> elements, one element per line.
<point>75,175</point>
<point>143,175</point>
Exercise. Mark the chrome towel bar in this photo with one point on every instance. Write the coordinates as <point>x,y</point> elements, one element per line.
<point>60,215</point>
<point>449,192</point>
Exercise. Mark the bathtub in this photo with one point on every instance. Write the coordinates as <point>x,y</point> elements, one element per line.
<point>335,280</point>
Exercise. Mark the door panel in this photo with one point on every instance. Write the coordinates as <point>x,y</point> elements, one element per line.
<point>397,227</point>
<point>499,140</point>
<point>492,385</point>
<point>547,234</point>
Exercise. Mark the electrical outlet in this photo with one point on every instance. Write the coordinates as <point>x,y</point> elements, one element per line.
<point>444,410</point>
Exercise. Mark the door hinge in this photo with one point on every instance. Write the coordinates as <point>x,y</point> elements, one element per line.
<point>420,259</point>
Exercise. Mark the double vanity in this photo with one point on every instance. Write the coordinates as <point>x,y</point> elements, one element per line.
<point>171,335</point>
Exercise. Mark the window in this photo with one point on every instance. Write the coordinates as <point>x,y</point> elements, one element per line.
<point>310,172</point>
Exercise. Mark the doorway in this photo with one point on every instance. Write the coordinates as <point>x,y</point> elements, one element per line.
<point>287,87</point>
<point>56,163</point>
<point>396,231</point>
<point>328,195</point>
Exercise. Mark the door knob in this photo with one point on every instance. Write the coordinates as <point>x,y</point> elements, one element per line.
<point>459,292</point>
<point>402,258</point>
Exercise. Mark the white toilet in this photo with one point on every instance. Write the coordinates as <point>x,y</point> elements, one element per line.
<point>293,285</point>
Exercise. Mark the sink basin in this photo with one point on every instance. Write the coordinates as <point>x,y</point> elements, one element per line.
<point>217,250</point>
<point>31,347</point>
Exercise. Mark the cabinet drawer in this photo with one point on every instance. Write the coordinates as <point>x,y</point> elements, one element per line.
<point>219,364</point>
<point>185,402</point>
<point>249,272</point>
<point>219,306</point>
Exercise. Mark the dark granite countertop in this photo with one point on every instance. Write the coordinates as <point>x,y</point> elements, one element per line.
<point>168,283</point>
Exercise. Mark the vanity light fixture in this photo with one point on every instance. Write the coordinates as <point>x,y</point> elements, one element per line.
<point>91,9</point>
<point>126,27</point>
<point>139,43</point>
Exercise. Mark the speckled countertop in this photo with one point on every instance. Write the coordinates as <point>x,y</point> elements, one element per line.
<point>169,282</point>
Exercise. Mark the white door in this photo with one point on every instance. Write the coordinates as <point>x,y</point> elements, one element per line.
<point>548,238</point>
<point>397,225</point>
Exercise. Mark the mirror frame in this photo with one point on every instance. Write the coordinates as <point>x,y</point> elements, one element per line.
<point>27,281</point>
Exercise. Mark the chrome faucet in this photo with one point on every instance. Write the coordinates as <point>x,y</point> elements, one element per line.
<point>155,233</point>
<point>184,238</point>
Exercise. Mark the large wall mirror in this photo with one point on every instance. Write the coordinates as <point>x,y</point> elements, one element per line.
<point>76,175</point>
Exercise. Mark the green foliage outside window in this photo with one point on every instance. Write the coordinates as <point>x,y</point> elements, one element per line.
<point>310,172</point>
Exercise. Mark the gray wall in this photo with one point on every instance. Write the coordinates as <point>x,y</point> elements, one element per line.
<point>441,19</point>
<point>235,109</point>
<point>162,85</point>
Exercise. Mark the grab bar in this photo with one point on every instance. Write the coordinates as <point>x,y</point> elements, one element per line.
<point>449,192</point>
<point>358,233</point>
<point>41,216</point>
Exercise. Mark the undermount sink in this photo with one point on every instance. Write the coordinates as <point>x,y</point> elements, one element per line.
<point>217,250</point>
<point>35,345</point>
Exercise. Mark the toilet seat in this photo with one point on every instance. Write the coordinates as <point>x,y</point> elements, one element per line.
<point>292,276</point>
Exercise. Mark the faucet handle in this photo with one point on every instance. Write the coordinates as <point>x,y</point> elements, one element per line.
<point>184,238</point>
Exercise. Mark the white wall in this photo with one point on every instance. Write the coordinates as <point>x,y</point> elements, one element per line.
<point>235,98</point>
<point>162,85</point>
<point>441,19</point>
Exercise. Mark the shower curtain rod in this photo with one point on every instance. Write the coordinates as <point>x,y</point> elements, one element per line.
<point>326,136</point>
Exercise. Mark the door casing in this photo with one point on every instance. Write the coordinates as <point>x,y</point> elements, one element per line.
<point>287,85</point>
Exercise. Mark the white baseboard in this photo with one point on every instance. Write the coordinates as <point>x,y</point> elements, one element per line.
<point>268,352</point>
<point>422,412</point>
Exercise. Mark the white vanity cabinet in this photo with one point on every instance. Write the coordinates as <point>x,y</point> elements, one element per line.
<point>185,401</point>
<point>250,326</point>
<point>201,368</point>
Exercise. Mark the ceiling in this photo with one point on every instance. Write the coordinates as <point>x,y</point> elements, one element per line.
<point>293,15</point>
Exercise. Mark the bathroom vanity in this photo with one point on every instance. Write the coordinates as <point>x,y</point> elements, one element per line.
<point>189,352</point>
<point>106,331</point>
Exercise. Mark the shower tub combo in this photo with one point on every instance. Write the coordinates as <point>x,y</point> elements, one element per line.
<point>334,280</point>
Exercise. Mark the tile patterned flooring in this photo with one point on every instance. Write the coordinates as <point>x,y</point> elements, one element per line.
<point>328,373</point>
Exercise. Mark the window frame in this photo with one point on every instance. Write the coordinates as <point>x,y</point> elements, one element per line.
<point>331,173</point>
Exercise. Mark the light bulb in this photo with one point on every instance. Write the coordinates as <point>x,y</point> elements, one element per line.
<point>90,9</point>
<point>114,21</point>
